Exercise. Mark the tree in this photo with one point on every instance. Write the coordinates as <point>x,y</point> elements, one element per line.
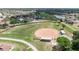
<point>63,26</point>
<point>51,17</point>
<point>78,17</point>
<point>47,16</point>
<point>24,21</point>
<point>13,21</point>
<point>75,44</point>
<point>76,35</point>
<point>3,26</point>
<point>64,43</point>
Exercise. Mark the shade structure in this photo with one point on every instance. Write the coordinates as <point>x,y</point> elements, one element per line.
<point>47,33</point>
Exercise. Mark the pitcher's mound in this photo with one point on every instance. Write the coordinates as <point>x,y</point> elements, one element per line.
<point>47,33</point>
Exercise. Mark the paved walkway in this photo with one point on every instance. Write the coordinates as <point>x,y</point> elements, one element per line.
<point>66,37</point>
<point>69,26</point>
<point>19,40</point>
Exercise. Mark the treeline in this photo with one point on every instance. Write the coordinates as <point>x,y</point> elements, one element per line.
<point>58,10</point>
<point>48,10</point>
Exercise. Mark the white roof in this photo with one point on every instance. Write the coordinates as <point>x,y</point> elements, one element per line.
<point>62,31</point>
<point>1,14</point>
<point>21,19</point>
<point>47,38</point>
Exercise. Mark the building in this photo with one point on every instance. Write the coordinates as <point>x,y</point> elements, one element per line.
<point>2,19</point>
<point>71,18</point>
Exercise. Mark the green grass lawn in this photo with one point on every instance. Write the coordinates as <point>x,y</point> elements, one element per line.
<point>26,32</point>
<point>69,27</point>
<point>17,45</point>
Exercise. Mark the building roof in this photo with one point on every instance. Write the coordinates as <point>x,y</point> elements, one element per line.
<point>1,15</point>
<point>47,33</point>
<point>2,21</point>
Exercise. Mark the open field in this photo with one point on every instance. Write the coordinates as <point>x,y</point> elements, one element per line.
<point>17,46</point>
<point>26,32</point>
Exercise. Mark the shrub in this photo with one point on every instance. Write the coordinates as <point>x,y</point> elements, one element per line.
<point>75,44</point>
<point>76,35</point>
<point>64,42</point>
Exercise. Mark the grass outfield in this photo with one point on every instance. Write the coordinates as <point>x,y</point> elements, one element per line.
<point>26,32</point>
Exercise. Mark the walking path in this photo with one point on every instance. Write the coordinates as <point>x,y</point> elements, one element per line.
<point>66,37</point>
<point>69,27</point>
<point>19,40</point>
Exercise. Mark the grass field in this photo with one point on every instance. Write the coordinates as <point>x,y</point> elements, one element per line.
<point>26,32</point>
<point>17,45</point>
